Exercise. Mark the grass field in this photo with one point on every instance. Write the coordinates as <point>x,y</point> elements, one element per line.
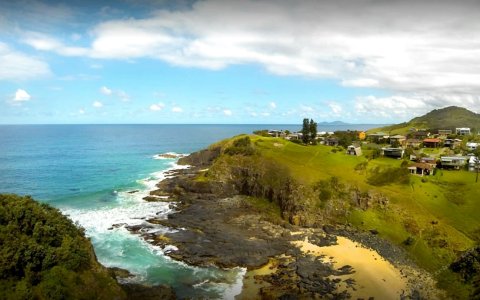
<point>441,213</point>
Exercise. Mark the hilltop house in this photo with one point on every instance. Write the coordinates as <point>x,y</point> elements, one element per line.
<point>431,143</point>
<point>421,169</point>
<point>453,162</point>
<point>378,137</point>
<point>472,146</point>
<point>421,134</point>
<point>452,143</point>
<point>398,139</point>
<point>462,131</point>
<point>413,143</point>
<point>354,150</point>
<point>444,132</point>
<point>331,142</point>
<point>393,152</point>
<point>362,135</point>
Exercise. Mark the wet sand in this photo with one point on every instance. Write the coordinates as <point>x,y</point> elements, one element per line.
<point>374,276</point>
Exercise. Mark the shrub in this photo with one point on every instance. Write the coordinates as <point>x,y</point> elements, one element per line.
<point>383,176</point>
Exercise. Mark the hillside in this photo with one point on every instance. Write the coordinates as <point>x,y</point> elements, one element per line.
<point>445,118</point>
<point>433,219</point>
<point>43,255</point>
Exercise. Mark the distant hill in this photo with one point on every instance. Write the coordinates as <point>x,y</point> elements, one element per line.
<point>333,123</point>
<point>445,118</point>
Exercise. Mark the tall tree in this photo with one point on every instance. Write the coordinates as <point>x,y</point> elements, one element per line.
<point>312,130</point>
<point>306,131</point>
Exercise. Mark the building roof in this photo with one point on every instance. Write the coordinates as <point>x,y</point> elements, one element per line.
<point>398,136</point>
<point>432,140</point>
<point>414,141</point>
<point>422,166</point>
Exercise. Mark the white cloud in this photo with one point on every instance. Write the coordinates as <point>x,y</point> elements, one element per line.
<point>97,104</point>
<point>105,90</point>
<point>335,107</point>
<point>177,109</point>
<point>272,105</point>
<point>21,96</point>
<point>157,106</point>
<point>227,112</point>
<point>81,111</point>
<point>400,46</point>
<point>18,66</point>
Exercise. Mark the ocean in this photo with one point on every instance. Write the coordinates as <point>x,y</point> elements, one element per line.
<point>89,172</point>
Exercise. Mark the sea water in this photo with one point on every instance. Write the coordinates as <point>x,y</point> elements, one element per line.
<point>98,175</point>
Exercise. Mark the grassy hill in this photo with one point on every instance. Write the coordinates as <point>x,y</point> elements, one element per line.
<point>43,255</point>
<point>445,118</point>
<point>433,218</point>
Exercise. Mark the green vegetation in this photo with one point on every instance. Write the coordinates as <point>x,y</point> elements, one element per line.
<point>445,118</point>
<point>434,218</point>
<point>44,256</point>
<point>309,131</point>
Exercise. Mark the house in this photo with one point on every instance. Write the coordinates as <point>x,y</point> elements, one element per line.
<point>354,150</point>
<point>398,139</point>
<point>413,143</point>
<point>293,136</point>
<point>421,169</point>
<point>331,142</point>
<point>472,146</point>
<point>362,135</point>
<point>444,132</point>
<point>453,162</point>
<point>429,160</point>
<point>474,163</point>
<point>421,134</point>
<point>432,143</point>
<point>277,133</point>
<point>378,137</point>
<point>462,131</point>
<point>393,152</point>
<point>452,143</point>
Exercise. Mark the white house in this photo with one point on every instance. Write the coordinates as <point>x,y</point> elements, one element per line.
<point>462,131</point>
<point>472,146</point>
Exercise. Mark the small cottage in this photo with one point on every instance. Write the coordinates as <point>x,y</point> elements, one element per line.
<point>413,143</point>
<point>432,143</point>
<point>393,152</point>
<point>354,150</point>
<point>453,162</point>
<point>462,131</point>
<point>421,169</point>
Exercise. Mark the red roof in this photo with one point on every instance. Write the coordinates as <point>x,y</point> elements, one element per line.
<point>432,140</point>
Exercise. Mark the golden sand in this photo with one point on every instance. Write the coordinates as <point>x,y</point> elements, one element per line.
<point>374,276</point>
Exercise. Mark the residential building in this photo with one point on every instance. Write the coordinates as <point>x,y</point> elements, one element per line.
<point>421,169</point>
<point>462,131</point>
<point>472,146</point>
<point>362,135</point>
<point>444,132</point>
<point>331,142</point>
<point>398,139</point>
<point>452,143</point>
<point>413,143</point>
<point>393,152</point>
<point>432,143</point>
<point>354,150</point>
<point>378,137</point>
<point>453,162</point>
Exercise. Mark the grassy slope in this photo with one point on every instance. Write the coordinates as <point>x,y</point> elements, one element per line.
<point>419,203</point>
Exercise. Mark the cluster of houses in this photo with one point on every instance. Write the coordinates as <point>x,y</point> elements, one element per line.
<point>423,139</point>
<point>398,144</point>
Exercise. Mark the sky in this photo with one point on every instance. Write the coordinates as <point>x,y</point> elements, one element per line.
<point>220,61</point>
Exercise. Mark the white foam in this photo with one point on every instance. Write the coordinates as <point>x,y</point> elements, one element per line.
<point>169,155</point>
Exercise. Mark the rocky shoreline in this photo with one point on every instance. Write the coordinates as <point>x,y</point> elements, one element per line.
<point>218,226</point>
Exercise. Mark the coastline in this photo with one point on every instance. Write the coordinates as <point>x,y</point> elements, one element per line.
<point>273,253</point>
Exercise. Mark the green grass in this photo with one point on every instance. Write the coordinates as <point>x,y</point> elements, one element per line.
<point>424,201</point>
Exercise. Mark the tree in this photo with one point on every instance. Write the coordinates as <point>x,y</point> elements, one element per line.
<point>312,130</point>
<point>476,165</point>
<point>306,131</point>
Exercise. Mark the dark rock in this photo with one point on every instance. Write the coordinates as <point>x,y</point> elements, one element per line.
<point>139,291</point>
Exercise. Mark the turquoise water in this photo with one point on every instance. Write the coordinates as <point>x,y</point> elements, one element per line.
<point>87,170</point>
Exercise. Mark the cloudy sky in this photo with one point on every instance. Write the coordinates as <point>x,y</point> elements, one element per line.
<point>217,61</point>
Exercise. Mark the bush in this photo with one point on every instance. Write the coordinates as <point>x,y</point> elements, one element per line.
<point>241,146</point>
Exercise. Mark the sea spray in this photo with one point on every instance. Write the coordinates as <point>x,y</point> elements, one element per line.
<point>115,246</point>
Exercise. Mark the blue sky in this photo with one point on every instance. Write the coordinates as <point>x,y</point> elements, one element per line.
<point>235,61</point>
